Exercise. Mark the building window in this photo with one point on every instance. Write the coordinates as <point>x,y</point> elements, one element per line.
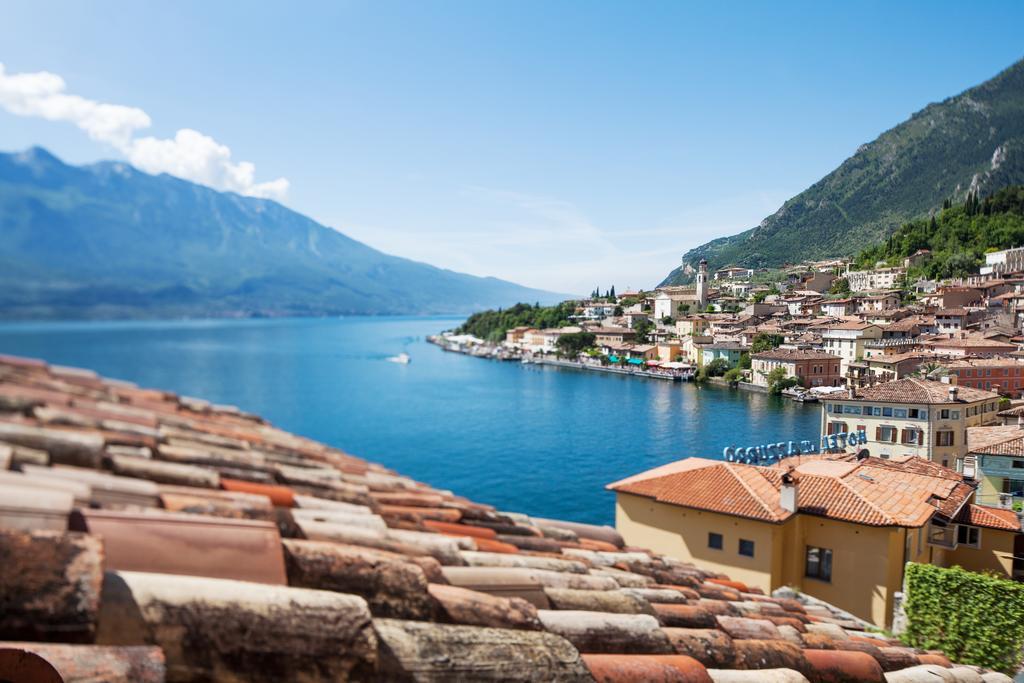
<point>818,564</point>
<point>944,438</point>
<point>955,414</point>
<point>885,434</point>
<point>714,541</point>
<point>943,414</point>
<point>912,436</point>
<point>1018,464</point>
<point>969,536</point>
<point>746,547</point>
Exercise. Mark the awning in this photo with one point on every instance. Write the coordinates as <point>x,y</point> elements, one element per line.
<point>613,359</point>
<point>635,361</point>
<point>654,362</point>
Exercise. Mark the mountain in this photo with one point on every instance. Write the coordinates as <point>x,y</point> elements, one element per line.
<point>109,241</point>
<point>974,141</point>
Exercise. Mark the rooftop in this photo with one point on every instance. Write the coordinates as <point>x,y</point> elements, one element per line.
<point>794,354</point>
<point>200,542</point>
<point>873,492</point>
<point>915,390</point>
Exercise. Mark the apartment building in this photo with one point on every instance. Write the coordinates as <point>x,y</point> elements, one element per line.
<point>835,527</point>
<point>847,339</point>
<point>1005,261</point>
<point>812,368</point>
<point>910,416</point>
<point>1000,374</point>
<point>879,278</point>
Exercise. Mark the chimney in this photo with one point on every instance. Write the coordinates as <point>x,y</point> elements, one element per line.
<point>788,492</point>
<point>952,392</point>
<point>1020,422</point>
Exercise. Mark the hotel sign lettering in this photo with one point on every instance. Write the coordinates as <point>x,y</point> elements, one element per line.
<point>767,454</point>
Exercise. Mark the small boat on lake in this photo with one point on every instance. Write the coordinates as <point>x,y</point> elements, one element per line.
<point>402,358</point>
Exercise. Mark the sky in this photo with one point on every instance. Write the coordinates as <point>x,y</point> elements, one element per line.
<point>563,145</point>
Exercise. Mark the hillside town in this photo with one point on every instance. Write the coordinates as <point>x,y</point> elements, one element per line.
<point>816,327</point>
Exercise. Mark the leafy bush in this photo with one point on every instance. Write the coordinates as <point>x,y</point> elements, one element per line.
<point>572,344</point>
<point>777,381</point>
<point>732,376</point>
<point>716,368</point>
<point>765,342</point>
<point>974,618</point>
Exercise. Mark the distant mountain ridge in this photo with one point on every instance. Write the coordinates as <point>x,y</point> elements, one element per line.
<point>108,241</point>
<point>973,141</point>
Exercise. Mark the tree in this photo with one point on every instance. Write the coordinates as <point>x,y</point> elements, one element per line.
<point>667,320</point>
<point>733,375</point>
<point>611,294</point>
<point>744,363</point>
<point>710,308</point>
<point>764,341</point>
<point>573,343</point>
<point>618,310</point>
<point>642,326</point>
<point>931,370</point>
<point>840,287</point>
<point>777,381</point>
<point>683,308</point>
<point>717,367</point>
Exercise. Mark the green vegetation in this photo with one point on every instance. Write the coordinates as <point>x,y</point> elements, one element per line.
<point>642,326</point>
<point>974,618</point>
<point>765,342</point>
<point>840,288</point>
<point>492,325</point>
<point>958,236</point>
<point>975,139</point>
<point>777,381</point>
<point>572,344</point>
<point>733,375</point>
<point>715,368</point>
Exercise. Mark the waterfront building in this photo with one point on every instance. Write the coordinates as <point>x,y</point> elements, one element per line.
<point>838,528</point>
<point>612,335</point>
<point>727,351</point>
<point>812,368</point>
<point>927,419</point>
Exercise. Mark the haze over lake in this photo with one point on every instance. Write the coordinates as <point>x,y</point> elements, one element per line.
<point>538,440</point>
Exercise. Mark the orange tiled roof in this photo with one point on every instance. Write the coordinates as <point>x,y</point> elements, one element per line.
<point>989,517</point>
<point>874,492</point>
<point>914,390</point>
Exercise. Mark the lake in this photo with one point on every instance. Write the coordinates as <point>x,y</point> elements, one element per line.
<point>533,439</point>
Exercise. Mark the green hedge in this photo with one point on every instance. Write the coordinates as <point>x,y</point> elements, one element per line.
<point>974,618</point>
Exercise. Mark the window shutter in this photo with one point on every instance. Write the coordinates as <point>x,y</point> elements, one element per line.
<point>920,437</point>
<point>830,425</point>
<point>878,433</point>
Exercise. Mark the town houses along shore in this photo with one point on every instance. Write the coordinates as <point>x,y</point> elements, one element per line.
<point>812,328</point>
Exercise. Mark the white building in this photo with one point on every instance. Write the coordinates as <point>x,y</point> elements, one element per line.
<point>846,340</point>
<point>880,278</point>
<point>1005,261</point>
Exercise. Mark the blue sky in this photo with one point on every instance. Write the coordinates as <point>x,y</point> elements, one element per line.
<point>562,145</point>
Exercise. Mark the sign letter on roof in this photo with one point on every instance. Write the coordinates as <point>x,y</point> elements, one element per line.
<point>767,454</point>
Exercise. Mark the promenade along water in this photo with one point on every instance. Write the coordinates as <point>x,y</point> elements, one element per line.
<point>536,439</point>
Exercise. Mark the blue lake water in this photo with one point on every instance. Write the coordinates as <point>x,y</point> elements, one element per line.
<point>543,441</point>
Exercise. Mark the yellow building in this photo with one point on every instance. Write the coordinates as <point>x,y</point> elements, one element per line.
<point>835,527</point>
<point>912,416</point>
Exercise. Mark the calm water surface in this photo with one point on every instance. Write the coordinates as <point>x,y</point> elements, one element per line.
<point>538,440</point>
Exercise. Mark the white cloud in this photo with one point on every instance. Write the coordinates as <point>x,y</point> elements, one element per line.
<point>189,154</point>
